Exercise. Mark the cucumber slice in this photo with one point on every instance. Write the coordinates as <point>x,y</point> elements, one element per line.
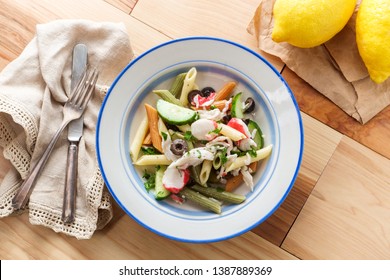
<point>237,110</point>
<point>258,137</point>
<point>159,191</point>
<point>175,114</point>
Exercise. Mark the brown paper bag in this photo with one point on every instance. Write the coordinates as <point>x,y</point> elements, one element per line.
<point>335,68</point>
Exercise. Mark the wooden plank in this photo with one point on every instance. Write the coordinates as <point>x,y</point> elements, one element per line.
<point>18,20</point>
<point>124,239</point>
<point>374,134</point>
<point>125,6</point>
<point>319,144</point>
<point>209,18</point>
<point>348,215</point>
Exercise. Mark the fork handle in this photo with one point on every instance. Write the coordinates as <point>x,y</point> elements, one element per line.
<point>68,207</point>
<point>22,196</point>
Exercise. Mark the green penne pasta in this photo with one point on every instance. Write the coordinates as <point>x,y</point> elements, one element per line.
<point>201,200</point>
<point>220,195</point>
<point>167,96</point>
<point>178,84</point>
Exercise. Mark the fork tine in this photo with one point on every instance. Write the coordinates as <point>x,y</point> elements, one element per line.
<point>78,88</point>
<point>90,86</point>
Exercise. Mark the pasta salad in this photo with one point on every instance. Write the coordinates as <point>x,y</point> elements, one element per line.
<point>201,142</point>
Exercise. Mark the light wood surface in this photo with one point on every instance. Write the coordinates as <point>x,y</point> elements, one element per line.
<point>338,207</point>
<point>348,212</point>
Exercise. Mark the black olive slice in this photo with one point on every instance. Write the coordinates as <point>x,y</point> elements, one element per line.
<point>249,105</point>
<point>179,147</point>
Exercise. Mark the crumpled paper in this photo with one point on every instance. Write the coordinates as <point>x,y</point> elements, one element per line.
<point>335,68</point>
<point>33,90</point>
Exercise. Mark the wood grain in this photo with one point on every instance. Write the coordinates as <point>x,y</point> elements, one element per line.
<point>348,214</point>
<point>30,13</point>
<point>218,18</point>
<point>320,143</point>
<point>125,6</point>
<point>375,134</point>
<point>123,239</point>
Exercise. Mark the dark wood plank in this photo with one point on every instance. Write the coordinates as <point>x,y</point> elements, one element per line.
<point>374,134</point>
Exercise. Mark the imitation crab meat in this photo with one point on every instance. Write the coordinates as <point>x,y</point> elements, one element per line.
<point>204,129</point>
<point>175,179</point>
<point>192,158</point>
<point>177,175</point>
<point>200,101</point>
<point>244,144</point>
<point>239,125</point>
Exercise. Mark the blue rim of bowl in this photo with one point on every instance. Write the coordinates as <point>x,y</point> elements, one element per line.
<point>258,56</point>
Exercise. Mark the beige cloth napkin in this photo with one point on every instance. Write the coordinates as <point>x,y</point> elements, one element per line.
<point>335,68</point>
<point>33,89</point>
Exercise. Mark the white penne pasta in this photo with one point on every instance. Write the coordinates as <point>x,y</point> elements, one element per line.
<point>139,137</point>
<point>162,128</point>
<point>188,85</point>
<point>230,132</point>
<point>153,160</point>
<point>243,160</point>
<point>205,171</point>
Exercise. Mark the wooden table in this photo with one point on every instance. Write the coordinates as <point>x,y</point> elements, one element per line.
<point>339,207</point>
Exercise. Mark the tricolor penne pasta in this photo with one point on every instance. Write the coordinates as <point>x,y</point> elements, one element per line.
<point>202,144</point>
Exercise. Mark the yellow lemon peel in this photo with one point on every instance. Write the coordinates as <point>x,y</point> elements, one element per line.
<point>373,37</point>
<point>309,23</point>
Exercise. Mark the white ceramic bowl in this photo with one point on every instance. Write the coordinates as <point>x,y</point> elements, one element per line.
<point>217,61</point>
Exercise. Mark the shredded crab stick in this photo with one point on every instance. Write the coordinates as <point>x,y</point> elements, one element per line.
<point>200,101</point>
<point>175,179</point>
<point>177,175</point>
<point>247,143</point>
<point>192,158</point>
<point>239,125</point>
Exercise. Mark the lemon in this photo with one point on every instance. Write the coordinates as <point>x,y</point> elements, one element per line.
<point>373,37</point>
<point>309,23</point>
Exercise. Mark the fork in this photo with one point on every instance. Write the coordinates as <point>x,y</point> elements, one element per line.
<point>73,109</point>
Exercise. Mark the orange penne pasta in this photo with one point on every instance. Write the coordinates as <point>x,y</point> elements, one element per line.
<point>233,182</point>
<point>225,91</point>
<point>147,140</point>
<point>153,127</point>
<point>219,104</point>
